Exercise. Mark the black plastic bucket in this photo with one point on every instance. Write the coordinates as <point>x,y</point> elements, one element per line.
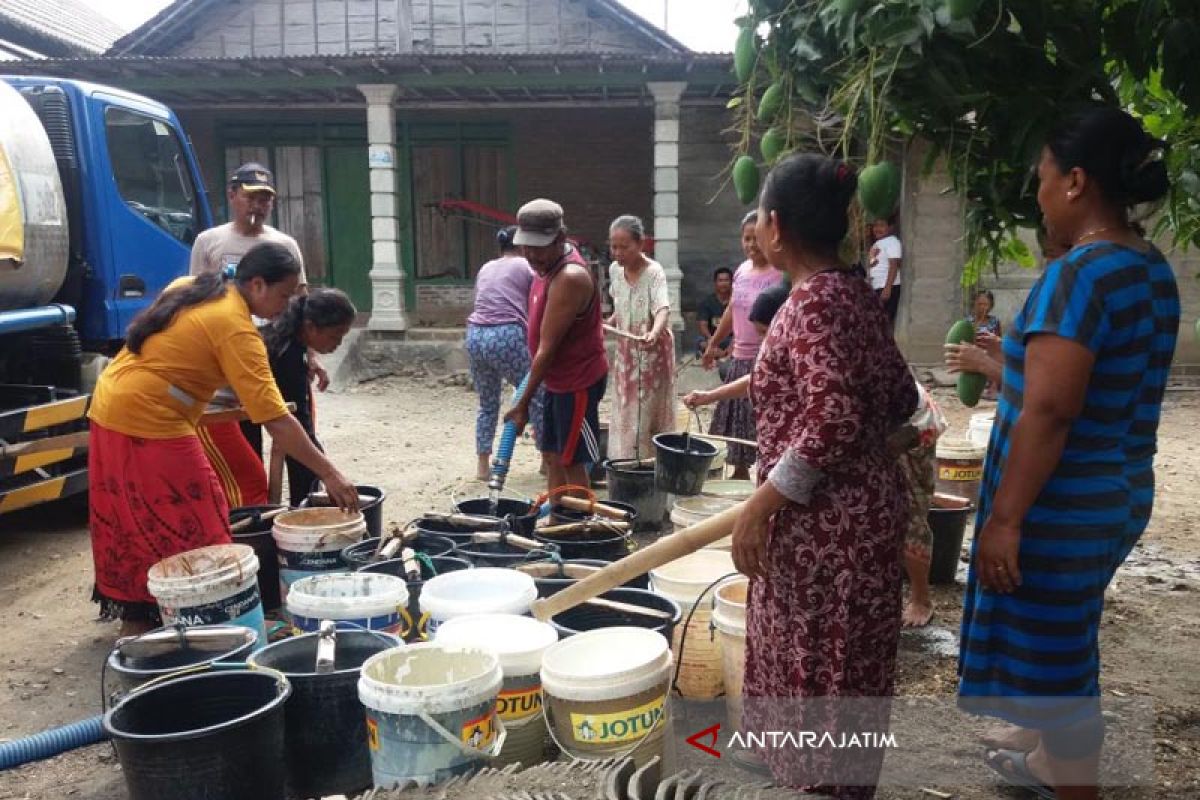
<point>634,485</point>
<point>499,554</point>
<point>948,525</point>
<point>188,647</point>
<point>220,734</point>
<point>586,617</point>
<point>441,565</point>
<point>258,536</point>
<point>552,578</point>
<point>520,514</point>
<point>361,553</point>
<point>326,734</point>
<point>681,463</point>
<point>599,545</point>
<point>370,500</point>
<point>460,534</point>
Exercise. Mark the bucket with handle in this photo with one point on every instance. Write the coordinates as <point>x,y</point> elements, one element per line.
<point>431,712</point>
<point>210,586</point>
<point>605,694</point>
<point>729,620</point>
<point>632,482</point>
<point>359,555</point>
<point>326,731</point>
<point>483,590</point>
<point>310,541</point>
<point>689,511</point>
<point>360,600</point>
<point>135,660</point>
<point>622,607</point>
<point>959,467</point>
<point>520,643</point>
<point>370,503</point>
<point>218,734</point>
<point>551,576</point>
<point>681,463</point>
<point>688,581</point>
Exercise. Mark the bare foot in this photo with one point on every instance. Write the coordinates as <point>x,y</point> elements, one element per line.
<point>483,470</point>
<point>1011,737</point>
<point>916,614</point>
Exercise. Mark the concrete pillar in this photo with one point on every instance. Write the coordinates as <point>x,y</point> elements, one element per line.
<point>666,187</point>
<point>387,272</point>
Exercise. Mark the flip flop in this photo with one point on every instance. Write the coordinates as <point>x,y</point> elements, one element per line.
<point>1013,768</point>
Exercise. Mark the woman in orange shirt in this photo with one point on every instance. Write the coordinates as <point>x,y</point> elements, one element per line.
<point>153,492</point>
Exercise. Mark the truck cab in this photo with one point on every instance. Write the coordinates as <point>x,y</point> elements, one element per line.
<point>110,209</point>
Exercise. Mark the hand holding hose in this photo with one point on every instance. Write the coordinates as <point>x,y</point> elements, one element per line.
<point>518,415</point>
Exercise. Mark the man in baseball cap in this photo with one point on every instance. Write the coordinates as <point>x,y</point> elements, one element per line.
<point>566,340</point>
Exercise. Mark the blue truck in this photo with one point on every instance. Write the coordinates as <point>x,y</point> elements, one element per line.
<point>100,200</point>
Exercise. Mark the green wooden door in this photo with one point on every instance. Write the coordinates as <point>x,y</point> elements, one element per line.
<point>348,210</point>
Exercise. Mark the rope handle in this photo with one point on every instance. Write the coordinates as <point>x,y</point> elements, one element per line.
<point>491,752</point>
<point>561,490</point>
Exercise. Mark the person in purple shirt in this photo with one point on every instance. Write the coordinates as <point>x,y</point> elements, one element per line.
<point>497,343</point>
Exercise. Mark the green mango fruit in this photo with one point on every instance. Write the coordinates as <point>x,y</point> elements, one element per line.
<point>771,102</point>
<point>745,54</point>
<point>772,144</point>
<point>879,189</point>
<point>745,179</point>
<point>970,385</point>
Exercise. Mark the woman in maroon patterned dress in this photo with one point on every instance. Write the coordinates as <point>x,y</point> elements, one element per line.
<point>822,534</point>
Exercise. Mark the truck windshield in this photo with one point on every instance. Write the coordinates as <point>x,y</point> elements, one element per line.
<point>151,171</point>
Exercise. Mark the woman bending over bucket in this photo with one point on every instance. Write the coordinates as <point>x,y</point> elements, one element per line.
<point>152,491</point>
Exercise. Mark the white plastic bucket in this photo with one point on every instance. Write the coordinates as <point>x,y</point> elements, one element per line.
<point>368,600</point>
<point>979,429</point>
<point>959,467</point>
<point>520,643</point>
<point>431,712</point>
<point>310,541</point>
<point>210,586</point>
<point>689,511</point>
<point>717,468</point>
<point>483,590</point>
<point>728,489</point>
<point>606,693</point>
<point>684,581</point>
<point>729,619</point>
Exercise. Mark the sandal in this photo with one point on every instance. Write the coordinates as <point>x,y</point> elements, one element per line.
<point>1013,768</point>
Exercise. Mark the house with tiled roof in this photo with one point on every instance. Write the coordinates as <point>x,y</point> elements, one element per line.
<point>53,28</point>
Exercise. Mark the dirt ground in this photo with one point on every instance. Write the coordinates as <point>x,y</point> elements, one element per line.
<point>412,435</point>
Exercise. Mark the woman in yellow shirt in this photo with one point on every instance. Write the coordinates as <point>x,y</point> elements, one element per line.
<point>153,492</point>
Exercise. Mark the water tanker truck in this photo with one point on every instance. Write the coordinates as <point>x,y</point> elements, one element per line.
<point>100,200</point>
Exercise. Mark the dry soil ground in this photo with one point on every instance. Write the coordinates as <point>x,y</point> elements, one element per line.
<point>411,435</point>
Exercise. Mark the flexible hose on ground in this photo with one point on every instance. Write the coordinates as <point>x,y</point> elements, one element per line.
<point>52,742</point>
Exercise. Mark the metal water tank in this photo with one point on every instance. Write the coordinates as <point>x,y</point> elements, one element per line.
<point>26,155</point>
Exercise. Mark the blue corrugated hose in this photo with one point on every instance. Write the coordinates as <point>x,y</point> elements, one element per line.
<point>50,743</point>
<point>508,443</point>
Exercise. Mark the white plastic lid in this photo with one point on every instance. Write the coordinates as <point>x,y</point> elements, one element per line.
<point>606,663</point>
<point>347,595</point>
<point>519,641</point>
<point>483,590</point>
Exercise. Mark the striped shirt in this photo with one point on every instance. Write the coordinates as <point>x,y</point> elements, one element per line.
<point>1041,640</point>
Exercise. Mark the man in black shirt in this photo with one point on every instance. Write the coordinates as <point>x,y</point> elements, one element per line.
<point>712,308</point>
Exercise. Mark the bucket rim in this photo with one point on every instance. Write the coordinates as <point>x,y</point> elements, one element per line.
<point>618,465</point>
<point>283,692</point>
<point>514,659</point>
<point>247,565</point>
<point>391,698</point>
<point>517,581</point>
<point>252,659</point>
<point>660,440</point>
<point>627,679</point>
<point>249,635</point>
<point>348,519</point>
<point>301,597</point>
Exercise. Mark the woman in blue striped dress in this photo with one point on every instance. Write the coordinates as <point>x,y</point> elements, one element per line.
<point>1069,481</point>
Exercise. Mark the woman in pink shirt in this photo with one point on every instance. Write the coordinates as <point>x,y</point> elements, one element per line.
<point>735,418</point>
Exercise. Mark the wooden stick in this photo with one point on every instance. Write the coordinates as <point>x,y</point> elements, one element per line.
<point>628,608</point>
<point>462,520</point>
<point>730,439</point>
<point>664,551</point>
<point>600,509</point>
<point>266,516</point>
<point>232,415</point>
<point>625,334</point>
<point>585,527</point>
<point>508,538</point>
<point>67,441</point>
